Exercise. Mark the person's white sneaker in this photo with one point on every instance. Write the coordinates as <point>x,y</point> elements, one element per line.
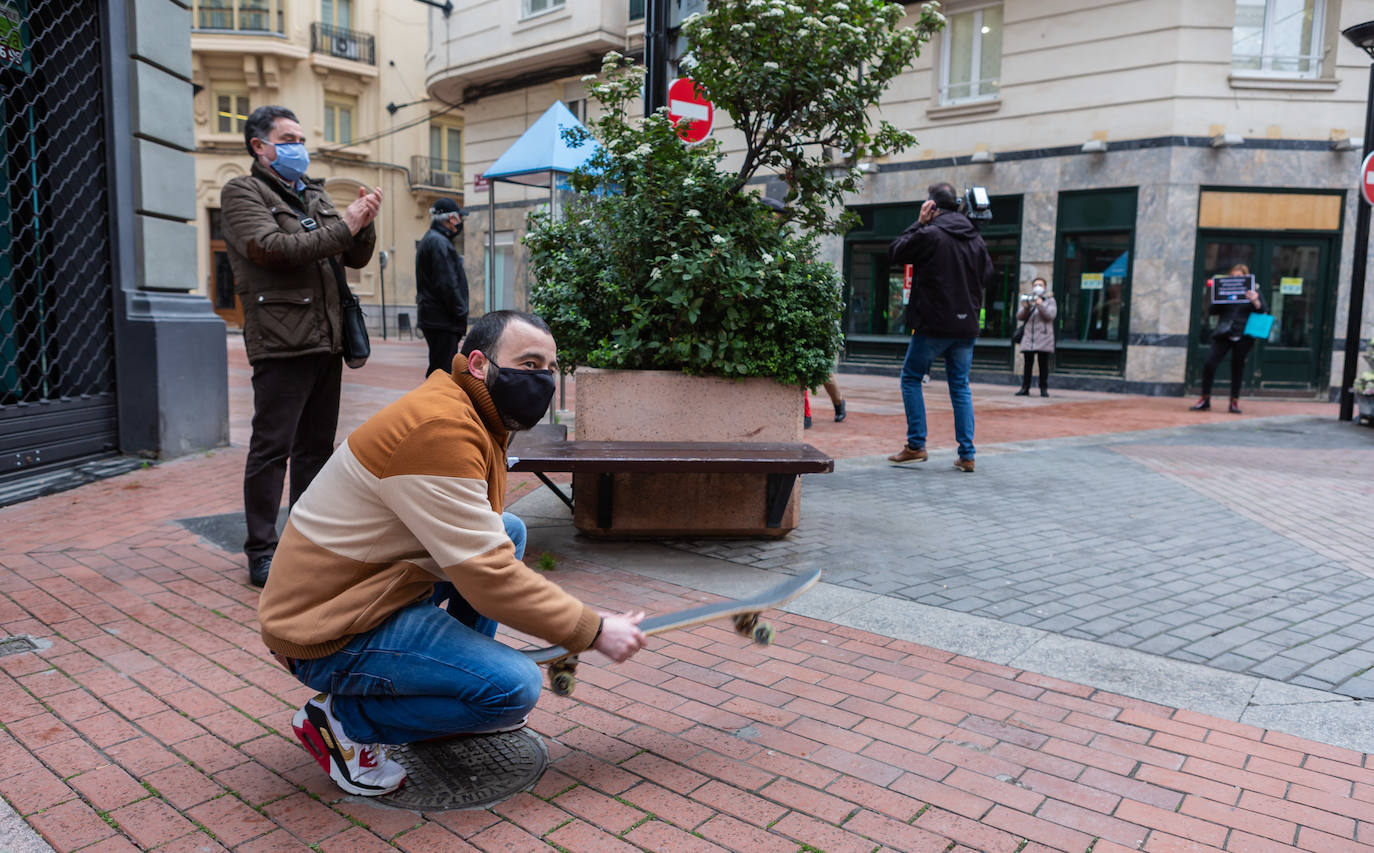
<point>363,769</point>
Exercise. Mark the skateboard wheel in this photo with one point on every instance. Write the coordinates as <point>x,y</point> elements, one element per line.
<point>745,623</point>
<point>562,683</point>
<point>763,634</point>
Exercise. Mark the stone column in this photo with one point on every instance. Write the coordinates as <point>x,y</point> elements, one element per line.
<point>171,361</point>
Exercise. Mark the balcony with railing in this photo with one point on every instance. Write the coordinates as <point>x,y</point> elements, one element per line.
<point>342,43</point>
<point>436,173</point>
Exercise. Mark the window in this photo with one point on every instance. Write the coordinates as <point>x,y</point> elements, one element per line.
<point>231,111</point>
<point>337,13</point>
<point>339,111</point>
<point>972,56</point>
<point>538,7</point>
<point>243,15</point>
<point>446,152</point>
<point>1278,37</point>
<point>578,107</point>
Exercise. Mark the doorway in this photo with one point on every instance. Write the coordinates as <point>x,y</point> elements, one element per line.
<point>226,301</point>
<point>1296,275</point>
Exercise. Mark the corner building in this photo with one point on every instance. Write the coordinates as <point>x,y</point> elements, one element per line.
<point>1131,149</point>
<point>352,71</point>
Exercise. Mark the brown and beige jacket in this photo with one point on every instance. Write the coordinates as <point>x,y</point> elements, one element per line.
<point>282,270</point>
<point>411,497</point>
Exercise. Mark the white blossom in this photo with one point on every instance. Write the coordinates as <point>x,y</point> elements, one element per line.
<point>589,78</point>
<point>654,276</point>
<point>693,213</point>
<point>767,258</point>
<point>771,66</point>
<point>717,239</point>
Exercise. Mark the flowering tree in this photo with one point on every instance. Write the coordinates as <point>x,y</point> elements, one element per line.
<point>802,78</point>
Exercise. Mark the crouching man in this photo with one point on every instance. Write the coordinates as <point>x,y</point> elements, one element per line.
<point>414,497</point>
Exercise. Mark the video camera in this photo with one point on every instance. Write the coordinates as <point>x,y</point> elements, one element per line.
<point>975,204</point>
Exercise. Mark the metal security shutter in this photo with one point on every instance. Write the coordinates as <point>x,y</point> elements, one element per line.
<point>57,401</point>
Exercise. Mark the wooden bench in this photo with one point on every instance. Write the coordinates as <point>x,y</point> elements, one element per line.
<point>546,449</point>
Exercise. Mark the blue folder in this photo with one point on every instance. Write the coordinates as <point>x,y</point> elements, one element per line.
<point>1259,325</point>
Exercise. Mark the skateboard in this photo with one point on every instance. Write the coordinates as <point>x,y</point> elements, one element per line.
<point>743,611</point>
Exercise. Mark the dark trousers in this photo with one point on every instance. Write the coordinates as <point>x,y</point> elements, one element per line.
<point>295,412</point>
<point>1220,346</point>
<point>443,346</point>
<point>1029,358</point>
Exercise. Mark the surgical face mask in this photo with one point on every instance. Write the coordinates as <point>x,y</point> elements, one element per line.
<point>1038,290</point>
<point>522,396</point>
<point>292,160</point>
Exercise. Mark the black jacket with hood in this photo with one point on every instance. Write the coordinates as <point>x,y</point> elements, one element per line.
<point>441,286</point>
<point>952,266</point>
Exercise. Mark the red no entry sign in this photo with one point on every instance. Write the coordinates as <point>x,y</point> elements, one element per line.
<point>685,103</point>
<point>1367,179</point>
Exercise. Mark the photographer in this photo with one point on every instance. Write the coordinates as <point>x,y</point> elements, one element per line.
<point>952,268</point>
<point>1036,335</point>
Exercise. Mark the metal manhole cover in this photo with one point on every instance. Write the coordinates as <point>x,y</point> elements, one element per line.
<point>468,773</point>
<point>16,645</point>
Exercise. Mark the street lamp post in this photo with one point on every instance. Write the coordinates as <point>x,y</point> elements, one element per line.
<point>1362,36</point>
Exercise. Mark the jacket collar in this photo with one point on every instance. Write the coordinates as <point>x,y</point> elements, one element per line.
<point>281,187</point>
<point>443,232</point>
<point>476,390</point>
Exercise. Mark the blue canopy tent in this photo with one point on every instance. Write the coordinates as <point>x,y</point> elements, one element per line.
<point>537,159</point>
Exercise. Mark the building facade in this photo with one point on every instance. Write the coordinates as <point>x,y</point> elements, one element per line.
<point>1131,150</point>
<point>104,348</point>
<point>352,71</point>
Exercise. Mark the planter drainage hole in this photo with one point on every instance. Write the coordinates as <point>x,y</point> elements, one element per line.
<point>17,646</point>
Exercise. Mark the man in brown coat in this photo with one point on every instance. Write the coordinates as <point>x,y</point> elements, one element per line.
<point>286,244</point>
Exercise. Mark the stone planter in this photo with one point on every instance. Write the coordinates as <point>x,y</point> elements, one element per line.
<point>662,405</point>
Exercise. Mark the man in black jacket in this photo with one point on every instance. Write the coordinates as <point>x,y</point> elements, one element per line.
<point>951,268</point>
<point>441,288</point>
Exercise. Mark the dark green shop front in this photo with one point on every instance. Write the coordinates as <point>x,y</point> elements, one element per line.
<point>875,316</point>
<point>1094,246</point>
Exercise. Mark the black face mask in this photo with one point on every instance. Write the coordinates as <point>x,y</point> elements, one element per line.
<point>522,395</point>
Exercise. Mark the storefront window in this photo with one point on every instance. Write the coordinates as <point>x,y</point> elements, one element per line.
<point>1093,280</point>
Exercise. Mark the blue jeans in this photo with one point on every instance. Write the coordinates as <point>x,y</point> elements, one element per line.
<point>920,355</point>
<point>424,673</point>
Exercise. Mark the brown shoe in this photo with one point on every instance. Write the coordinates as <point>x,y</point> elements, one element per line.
<point>906,455</point>
<point>965,465</point>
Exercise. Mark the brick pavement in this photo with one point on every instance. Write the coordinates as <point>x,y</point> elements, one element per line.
<point>152,718</point>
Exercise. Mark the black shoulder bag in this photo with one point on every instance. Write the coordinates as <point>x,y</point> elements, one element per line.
<point>356,347</point>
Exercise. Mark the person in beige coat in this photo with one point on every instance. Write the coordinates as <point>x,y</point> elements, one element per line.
<point>1037,340</point>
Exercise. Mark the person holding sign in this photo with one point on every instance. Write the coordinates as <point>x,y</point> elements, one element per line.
<point>1233,298</point>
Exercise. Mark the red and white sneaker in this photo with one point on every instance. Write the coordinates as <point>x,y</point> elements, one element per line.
<point>363,769</point>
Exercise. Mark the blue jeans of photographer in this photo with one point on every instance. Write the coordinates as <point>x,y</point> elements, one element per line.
<point>921,353</point>
<point>426,673</point>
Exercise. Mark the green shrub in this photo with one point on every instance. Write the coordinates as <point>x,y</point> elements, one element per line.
<point>659,263</point>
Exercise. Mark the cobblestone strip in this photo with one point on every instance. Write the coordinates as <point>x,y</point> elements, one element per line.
<point>1094,541</point>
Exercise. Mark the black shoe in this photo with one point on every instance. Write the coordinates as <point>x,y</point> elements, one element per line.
<point>839,411</point>
<point>1024,392</point>
<point>1235,406</point>
<point>1203,404</point>
<point>806,422</point>
<point>1044,392</point>
<point>257,570</point>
